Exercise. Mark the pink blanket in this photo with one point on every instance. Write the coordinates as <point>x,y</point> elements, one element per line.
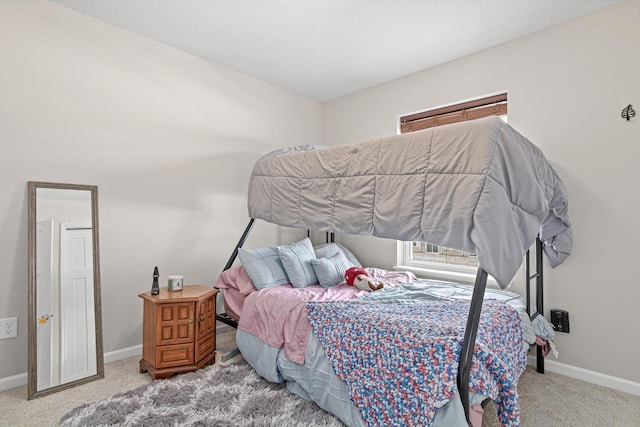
<point>236,284</point>
<point>278,315</point>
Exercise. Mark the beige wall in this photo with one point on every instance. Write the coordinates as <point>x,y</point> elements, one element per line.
<point>168,138</point>
<point>566,86</point>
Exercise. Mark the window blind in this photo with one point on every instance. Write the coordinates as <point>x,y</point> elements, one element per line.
<point>470,110</point>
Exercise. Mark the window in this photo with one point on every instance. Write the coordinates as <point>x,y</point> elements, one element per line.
<point>423,257</point>
<point>428,252</point>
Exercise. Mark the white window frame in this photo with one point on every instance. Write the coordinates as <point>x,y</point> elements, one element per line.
<point>435,270</point>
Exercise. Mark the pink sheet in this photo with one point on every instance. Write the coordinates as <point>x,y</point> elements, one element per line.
<point>235,278</point>
<point>233,303</point>
<point>278,315</point>
<point>236,285</point>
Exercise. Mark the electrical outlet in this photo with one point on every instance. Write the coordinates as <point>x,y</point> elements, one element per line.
<point>560,320</point>
<point>8,328</point>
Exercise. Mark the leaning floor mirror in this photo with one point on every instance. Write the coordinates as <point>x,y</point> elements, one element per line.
<point>65,317</point>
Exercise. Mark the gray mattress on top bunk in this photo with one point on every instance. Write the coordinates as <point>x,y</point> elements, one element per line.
<point>478,186</point>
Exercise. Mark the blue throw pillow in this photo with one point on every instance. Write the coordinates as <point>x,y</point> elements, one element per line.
<point>330,271</point>
<point>296,260</point>
<point>263,266</point>
<point>327,250</point>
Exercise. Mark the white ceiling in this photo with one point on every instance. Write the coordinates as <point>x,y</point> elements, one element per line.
<point>324,49</point>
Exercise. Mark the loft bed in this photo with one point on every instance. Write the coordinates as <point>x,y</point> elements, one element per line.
<point>478,187</point>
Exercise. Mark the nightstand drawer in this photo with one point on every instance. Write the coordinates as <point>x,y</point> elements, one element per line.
<point>169,356</point>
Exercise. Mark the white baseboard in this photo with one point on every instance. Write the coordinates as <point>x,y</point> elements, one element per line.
<point>20,380</point>
<point>586,375</point>
<point>124,353</point>
<point>13,381</point>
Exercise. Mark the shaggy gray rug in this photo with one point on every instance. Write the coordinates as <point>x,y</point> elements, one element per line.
<point>230,395</point>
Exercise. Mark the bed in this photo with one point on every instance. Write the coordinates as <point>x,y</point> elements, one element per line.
<point>479,187</point>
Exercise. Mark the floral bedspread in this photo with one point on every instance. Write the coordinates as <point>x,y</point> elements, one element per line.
<point>400,361</point>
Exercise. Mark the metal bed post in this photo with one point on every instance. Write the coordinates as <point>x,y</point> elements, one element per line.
<point>234,254</point>
<point>539,296</point>
<point>527,272</point>
<point>539,301</point>
<point>464,366</point>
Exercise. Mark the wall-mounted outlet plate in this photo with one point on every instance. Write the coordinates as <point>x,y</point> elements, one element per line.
<point>560,320</point>
<point>8,328</point>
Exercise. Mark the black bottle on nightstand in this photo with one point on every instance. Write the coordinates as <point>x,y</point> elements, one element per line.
<point>155,288</point>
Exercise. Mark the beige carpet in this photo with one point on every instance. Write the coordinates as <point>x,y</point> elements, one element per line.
<point>553,400</point>
<point>548,400</point>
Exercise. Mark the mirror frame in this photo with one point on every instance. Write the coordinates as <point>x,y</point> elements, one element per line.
<point>32,391</point>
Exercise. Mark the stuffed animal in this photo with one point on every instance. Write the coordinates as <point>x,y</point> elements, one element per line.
<point>359,278</point>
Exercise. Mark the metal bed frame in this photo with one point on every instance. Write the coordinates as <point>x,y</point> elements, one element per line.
<point>473,319</point>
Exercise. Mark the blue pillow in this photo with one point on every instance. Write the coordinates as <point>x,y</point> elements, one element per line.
<point>330,271</point>
<point>263,266</point>
<point>327,250</point>
<point>296,260</point>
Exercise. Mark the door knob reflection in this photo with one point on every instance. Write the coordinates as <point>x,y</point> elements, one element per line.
<point>44,318</point>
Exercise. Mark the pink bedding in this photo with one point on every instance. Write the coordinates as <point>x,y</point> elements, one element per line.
<point>236,285</point>
<point>236,278</point>
<point>278,315</point>
<point>233,303</point>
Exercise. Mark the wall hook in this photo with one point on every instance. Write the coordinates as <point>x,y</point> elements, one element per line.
<point>628,112</point>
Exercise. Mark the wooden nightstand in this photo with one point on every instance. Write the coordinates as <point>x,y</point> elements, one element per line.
<point>179,330</point>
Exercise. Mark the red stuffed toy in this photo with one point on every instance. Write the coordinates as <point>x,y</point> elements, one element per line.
<point>358,277</point>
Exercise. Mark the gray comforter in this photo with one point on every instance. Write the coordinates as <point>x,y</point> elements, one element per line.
<point>476,186</point>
